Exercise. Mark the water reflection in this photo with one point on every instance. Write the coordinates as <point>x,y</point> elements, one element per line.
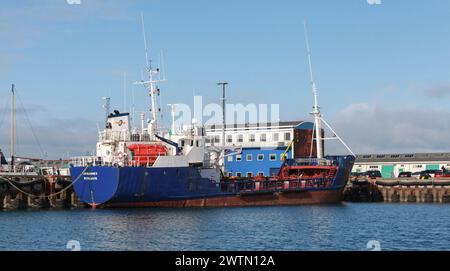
<point>334,227</point>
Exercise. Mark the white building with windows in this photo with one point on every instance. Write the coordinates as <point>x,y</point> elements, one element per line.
<point>262,145</point>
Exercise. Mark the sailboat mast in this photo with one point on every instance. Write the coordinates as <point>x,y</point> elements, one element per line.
<point>316,109</point>
<point>12,125</point>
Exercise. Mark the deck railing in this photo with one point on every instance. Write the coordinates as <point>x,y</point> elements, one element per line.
<point>273,186</point>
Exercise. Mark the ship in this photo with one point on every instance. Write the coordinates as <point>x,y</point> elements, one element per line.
<point>147,167</point>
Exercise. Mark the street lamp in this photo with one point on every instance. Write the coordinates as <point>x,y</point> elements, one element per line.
<point>223,84</point>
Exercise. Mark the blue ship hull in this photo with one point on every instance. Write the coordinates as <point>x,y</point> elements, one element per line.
<point>192,187</point>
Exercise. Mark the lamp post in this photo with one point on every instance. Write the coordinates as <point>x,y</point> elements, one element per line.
<point>223,84</point>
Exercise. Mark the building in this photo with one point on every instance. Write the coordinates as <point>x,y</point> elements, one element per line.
<point>390,165</point>
<point>263,146</point>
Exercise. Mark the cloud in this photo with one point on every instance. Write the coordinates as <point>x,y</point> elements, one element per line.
<point>372,128</point>
<point>51,137</point>
<point>374,2</point>
<point>437,91</point>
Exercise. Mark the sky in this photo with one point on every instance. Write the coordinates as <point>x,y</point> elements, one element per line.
<point>382,67</point>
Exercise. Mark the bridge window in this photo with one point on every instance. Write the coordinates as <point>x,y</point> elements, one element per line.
<point>238,158</point>
<point>238,174</point>
<point>249,174</point>
<point>230,159</point>
<point>273,157</point>
<point>261,174</point>
<point>249,157</point>
<point>260,157</point>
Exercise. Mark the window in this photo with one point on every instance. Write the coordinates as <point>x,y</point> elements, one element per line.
<point>230,174</point>
<point>375,167</point>
<point>260,157</point>
<point>287,136</point>
<point>229,138</point>
<point>251,138</point>
<point>240,138</point>
<point>182,143</point>
<point>418,166</point>
<point>230,159</point>
<point>263,137</point>
<point>273,157</point>
<point>249,157</point>
<point>238,174</point>
<point>216,139</point>
<point>261,174</point>
<point>249,174</point>
<point>207,140</point>
<point>275,137</point>
<point>239,158</point>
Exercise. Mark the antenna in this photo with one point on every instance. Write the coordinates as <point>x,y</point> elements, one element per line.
<point>318,118</point>
<point>147,61</point>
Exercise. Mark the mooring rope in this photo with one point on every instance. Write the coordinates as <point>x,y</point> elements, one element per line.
<point>47,196</point>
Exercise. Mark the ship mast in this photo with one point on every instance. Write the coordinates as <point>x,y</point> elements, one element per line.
<point>13,152</point>
<point>318,118</point>
<point>316,109</point>
<point>151,85</point>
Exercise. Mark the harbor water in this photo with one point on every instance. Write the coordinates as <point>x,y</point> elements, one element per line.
<point>347,226</point>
